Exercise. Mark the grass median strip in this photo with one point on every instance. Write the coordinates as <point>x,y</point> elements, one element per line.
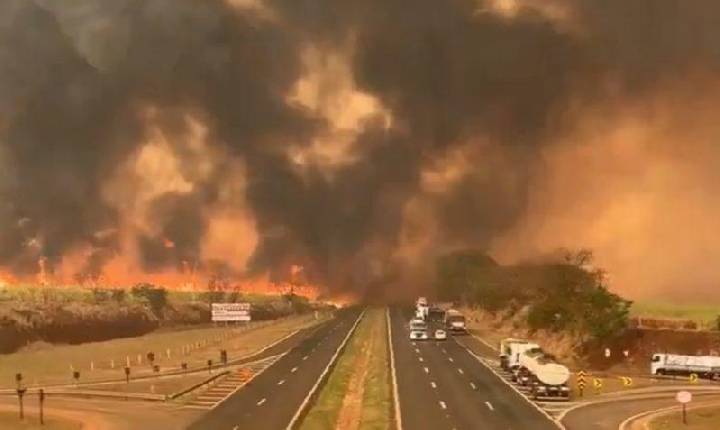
<point>357,394</point>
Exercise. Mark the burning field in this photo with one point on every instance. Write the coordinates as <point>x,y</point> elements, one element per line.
<point>338,149</point>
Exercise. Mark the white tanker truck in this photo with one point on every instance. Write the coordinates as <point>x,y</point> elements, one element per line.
<point>532,367</point>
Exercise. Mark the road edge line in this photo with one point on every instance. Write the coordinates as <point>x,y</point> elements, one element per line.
<point>557,423</point>
<point>623,425</point>
<point>396,396</point>
<point>323,376</point>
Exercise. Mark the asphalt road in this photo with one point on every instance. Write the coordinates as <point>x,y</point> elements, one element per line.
<point>272,398</point>
<point>442,386</point>
<point>609,415</point>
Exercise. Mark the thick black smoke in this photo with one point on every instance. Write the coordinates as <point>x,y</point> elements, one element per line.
<point>75,76</point>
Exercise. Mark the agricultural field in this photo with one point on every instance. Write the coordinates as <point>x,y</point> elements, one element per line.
<point>706,315</point>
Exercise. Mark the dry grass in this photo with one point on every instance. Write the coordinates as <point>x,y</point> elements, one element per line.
<point>9,420</point>
<point>364,358</point>
<point>51,364</point>
<point>706,418</point>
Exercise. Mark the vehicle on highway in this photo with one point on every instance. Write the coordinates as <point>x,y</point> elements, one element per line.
<point>417,324</point>
<point>705,366</point>
<point>544,376</point>
<point>418,335</point>
<point>440,334</point>
<point>436,314</point>
<point>455,321</point>
<point>510,350</point>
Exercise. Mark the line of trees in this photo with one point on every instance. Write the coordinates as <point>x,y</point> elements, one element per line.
<point>565,293</point>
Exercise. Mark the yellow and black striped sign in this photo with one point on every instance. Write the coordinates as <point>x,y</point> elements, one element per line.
<point>626,381</point>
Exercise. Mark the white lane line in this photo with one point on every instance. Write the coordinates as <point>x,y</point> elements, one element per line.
<point>413,343</point>
<point>305,358</point>
<point>443,405</point>
<point>396,396</point>
<point>281,382</point>
<point>554,421</point>
<point>474,387</point>
<point>421,359</point>
<point>426,370</point>
<point>434,385</point>
<point>490,406</point>
<point>460,371</point>
<point>260,403</point>
<point>417,350</point>
<point>323,376</point>
<point>444,352</point>
<point>293,370</point>
<point>451,360</point>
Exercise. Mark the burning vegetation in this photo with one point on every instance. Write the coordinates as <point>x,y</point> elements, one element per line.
<point>226,144</point>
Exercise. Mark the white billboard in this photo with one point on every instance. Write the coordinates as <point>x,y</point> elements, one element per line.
<point>230,311</point>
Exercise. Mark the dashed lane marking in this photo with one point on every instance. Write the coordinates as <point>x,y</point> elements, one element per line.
<point>426,370</point>
<point>490,406</point>
<point>260,403</point>
<point>451,360</point>
<point>293,370</point>
<point>474,387</point>
<point>443,405</point>
<point>305,358</point>
<point>281,382</point>
<point>421,359</point>
<point>434,385</point>
<point>460,371</point>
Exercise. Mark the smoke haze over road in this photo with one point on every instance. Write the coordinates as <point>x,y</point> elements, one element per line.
<point>359,139</point>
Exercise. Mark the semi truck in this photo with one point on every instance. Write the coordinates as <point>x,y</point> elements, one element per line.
<point>510,350</point>
<point>455,321</point>
<point>532,367</point>
<point>705,366</point>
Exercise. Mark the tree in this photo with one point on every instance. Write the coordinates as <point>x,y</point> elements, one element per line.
<point>156,297</point>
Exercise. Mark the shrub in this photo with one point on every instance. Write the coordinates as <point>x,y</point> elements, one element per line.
<point>156,297</point>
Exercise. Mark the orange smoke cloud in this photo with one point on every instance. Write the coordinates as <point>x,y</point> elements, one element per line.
<point>637,183</point>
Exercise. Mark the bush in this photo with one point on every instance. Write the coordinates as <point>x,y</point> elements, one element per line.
<point>156,297</point>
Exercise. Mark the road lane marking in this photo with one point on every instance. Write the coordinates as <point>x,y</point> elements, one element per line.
<point>421,359</point>
<point>305,358</point>
<point>293,370</point>
<point>490,406</point>
<point>281,382</point>
<point>444,352</point>
<point>474,387</point>
<point>323,376</point>
<point>396,396</point>
<point>554,421</point>
<point>434,385</point>
<point>417,350</point>
<point>451,360</point>
<point>460,371</point>
<point>260,403</point>
<point>426,370</point>
<point>443,405</point>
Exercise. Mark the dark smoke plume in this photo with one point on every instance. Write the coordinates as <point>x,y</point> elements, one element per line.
<point>77,78</point>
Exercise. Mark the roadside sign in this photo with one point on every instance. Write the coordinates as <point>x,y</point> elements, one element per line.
<point>626,381</point>
<point>230,311</point>
<point>693,378</point>
<point>598,384</point>
<point>581,382</point>
<point>683,397</point>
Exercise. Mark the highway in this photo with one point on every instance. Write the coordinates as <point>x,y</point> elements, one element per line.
<point>442,386</point>
<point>273,397</point>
